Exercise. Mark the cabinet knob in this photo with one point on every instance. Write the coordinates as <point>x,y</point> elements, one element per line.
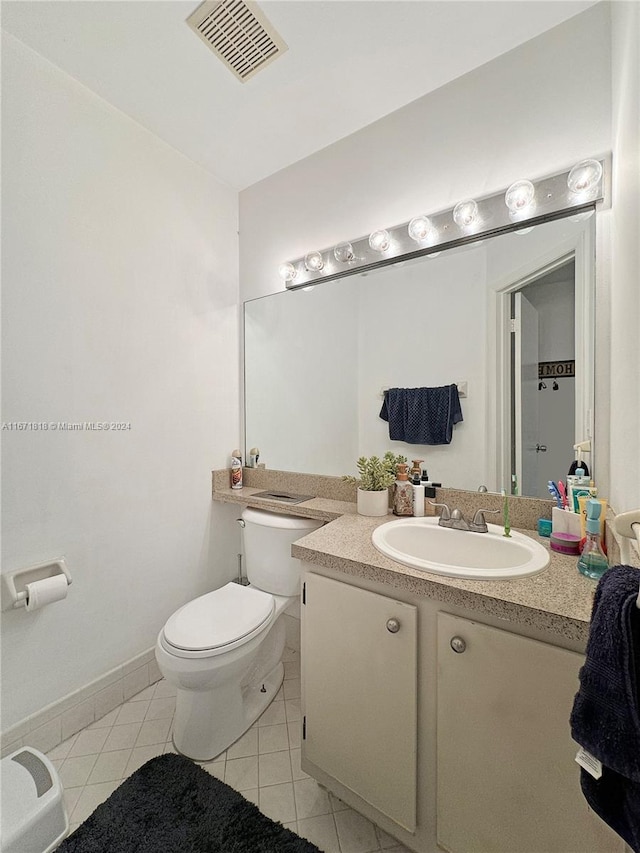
<point>458,645</point>
<point>393,626</point>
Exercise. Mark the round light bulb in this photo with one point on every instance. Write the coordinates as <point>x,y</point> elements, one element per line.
<point>287,272</point>
<point>519,196</point>
<point>343,252</point>
<point>420,228</point>
<point>380,240</point>
<point>465,213</point>
<point>585,176</point>
<point>313,262</point>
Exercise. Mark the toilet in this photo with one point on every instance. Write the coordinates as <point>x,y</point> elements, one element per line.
<point>222,651</point>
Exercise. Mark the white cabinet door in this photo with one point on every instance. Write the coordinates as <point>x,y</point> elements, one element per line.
<point>359,693</point>
<point>507,779</point>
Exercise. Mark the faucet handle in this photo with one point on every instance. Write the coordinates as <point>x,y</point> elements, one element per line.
<point>479,523</point>
<point>445,515</point>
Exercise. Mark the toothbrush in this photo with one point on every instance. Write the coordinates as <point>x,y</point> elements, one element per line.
<point>505,513</point>
<point>563,495</point>
<point>553,490</point>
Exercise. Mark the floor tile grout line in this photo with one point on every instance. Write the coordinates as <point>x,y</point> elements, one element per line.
<point>167,744</point>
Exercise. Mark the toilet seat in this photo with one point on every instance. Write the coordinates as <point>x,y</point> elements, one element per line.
<point>217,622</point>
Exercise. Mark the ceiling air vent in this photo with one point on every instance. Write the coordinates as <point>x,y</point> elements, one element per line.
<point>239,34</point>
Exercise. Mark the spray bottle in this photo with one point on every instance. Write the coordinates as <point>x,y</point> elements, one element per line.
<point>236,470</point>
<point>593,562</point>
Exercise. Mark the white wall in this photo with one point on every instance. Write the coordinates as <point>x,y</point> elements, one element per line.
<point>120,304</point>
<point>625,260</point>
<point>534,111</point>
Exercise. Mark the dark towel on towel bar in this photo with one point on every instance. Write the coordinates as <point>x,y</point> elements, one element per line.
<point>606,712</point>
<point>422,415</point>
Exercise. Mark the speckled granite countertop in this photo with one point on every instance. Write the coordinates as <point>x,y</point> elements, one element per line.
<point>322,508</point>
<point>557,600</point>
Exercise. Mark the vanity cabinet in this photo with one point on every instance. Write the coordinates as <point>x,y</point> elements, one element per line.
<point>507,780</point>
<point>450,734</point>
<point>359,693</point>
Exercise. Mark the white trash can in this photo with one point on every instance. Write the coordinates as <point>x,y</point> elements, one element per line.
<point>34,819</point>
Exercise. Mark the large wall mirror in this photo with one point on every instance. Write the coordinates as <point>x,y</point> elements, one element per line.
<point>509,319</point>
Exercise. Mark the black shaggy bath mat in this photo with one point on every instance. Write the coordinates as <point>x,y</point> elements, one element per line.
<point>170,805</point>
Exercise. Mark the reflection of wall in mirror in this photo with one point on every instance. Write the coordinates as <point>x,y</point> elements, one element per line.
<point>300,376</point>
<point>316,361</point>
<point>424,324</point>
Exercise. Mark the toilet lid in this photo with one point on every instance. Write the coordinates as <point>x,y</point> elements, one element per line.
<point>219,618</point>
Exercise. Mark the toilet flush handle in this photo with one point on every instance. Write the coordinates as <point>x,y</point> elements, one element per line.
<point>241,522</point>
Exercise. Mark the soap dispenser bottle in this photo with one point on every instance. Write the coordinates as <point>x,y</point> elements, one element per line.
<point>403,495</point>
<point>415,468</point>
<point>593,562</point>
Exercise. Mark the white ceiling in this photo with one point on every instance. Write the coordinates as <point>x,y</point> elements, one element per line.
<point>349,63</point>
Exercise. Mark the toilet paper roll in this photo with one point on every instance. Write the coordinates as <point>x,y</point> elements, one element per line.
<point>46,591</point>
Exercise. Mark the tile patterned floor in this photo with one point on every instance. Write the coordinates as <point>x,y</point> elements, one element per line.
<point>264,765</point>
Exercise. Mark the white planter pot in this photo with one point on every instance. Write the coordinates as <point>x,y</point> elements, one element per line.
<point>373,503</point>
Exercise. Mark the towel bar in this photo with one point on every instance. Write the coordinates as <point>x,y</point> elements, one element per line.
<point>462,389</point>
<point>627,526</point>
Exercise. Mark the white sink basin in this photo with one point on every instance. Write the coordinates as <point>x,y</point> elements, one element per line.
<point>422,544</point>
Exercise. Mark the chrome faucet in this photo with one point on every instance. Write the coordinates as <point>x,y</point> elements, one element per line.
<point>455,520</point>
<point>479,524</point>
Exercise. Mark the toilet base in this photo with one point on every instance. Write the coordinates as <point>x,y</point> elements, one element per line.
<point>253,700</point>
<point>219,698</point>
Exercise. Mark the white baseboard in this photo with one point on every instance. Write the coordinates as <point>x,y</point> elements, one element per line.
<point>57,722</point>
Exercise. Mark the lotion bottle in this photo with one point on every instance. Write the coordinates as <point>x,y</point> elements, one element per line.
<point>418,496</point>
<point>429,496</point>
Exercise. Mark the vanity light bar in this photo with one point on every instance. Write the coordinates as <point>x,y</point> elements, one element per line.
<point>522,206</point>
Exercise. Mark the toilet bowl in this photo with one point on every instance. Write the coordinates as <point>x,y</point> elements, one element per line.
<point>222,651</point>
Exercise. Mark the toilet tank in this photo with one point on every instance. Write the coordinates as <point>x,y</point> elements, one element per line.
<point>267,538</point>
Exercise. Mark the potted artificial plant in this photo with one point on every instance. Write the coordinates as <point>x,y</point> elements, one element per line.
<point>376,475</point>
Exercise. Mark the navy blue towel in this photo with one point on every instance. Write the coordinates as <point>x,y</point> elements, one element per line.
<point>422,415</point>
<point>606,712</point>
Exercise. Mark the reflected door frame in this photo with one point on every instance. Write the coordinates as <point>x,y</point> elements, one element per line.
<point>500,437</point>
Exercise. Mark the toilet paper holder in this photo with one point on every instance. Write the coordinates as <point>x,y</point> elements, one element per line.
<point>14,584</point>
